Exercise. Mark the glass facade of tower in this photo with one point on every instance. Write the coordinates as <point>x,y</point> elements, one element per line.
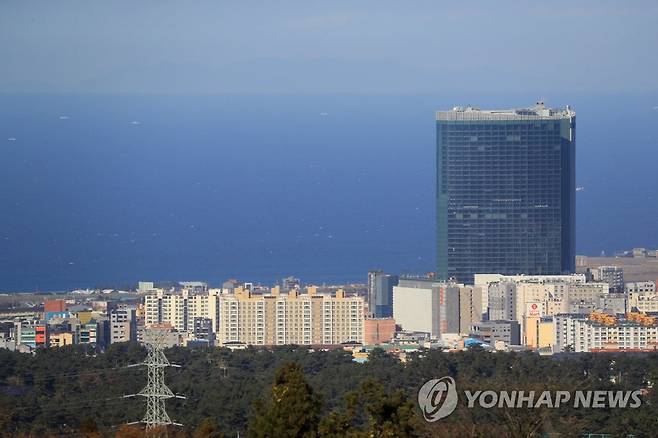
<point>380,294</point>
<point>505,192</point>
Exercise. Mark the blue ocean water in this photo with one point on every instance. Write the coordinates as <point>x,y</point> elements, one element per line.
<point>106,190</point>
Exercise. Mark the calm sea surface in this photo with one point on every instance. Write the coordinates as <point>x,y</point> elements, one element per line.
<point>106,190</point>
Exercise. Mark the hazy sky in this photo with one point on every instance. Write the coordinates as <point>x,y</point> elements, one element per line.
<point>330,46</point>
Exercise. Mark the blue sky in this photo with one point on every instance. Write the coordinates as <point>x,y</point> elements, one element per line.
<point>326,47</point>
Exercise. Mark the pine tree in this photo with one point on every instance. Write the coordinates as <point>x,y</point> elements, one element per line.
<point>292,409</point>
<point>372,412</point>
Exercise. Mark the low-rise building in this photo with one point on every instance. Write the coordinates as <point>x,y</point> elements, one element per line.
<point>123,325</point>
<point>643,301</point>
<point>203,330</point>
<point>540,332</point>
<point>507,332</point>
<point>61,339</point>
<point>27,336</point>
<point>86,333</point>
<point>41,335</point>
<point>613,303</point>
<point>31,333</point>
<point>640,287</point>
<point>378,331</point>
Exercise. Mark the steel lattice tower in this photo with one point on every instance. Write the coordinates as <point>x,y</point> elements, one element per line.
<point>156,391</point>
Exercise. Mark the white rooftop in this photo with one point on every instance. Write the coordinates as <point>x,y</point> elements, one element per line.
<point>537,112</point>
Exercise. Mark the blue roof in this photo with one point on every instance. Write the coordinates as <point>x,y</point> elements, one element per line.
<point>472,341</point>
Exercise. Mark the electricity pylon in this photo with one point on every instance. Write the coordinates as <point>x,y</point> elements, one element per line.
<point>156,391</point>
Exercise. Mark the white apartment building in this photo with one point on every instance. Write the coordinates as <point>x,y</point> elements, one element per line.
<point>581,333</point>
<point>179,308</point>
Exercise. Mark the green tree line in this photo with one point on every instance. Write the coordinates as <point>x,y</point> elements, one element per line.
<point>296,392</point>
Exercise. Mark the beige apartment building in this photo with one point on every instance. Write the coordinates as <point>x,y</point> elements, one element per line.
<point>643,301</point>
<point>587,293</point>
<point>293,318</point>
<point>470,307</point>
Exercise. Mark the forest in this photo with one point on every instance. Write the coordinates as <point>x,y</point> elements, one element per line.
<point>294,391</point>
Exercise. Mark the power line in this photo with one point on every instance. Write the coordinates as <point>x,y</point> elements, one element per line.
<point>34,377</point>
<point>69,405</point>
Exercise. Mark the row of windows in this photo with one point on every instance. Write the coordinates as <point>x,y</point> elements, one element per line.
<point>497,125</point>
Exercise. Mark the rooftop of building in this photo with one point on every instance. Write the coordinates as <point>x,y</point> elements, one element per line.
<point>599,319</point>
<point>538,112</point>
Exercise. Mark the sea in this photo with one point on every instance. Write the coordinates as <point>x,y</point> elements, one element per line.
<point>104,190</point>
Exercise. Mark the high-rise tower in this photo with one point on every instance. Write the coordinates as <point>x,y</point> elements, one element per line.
<point>505,191</point>
<point>380,294</point>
